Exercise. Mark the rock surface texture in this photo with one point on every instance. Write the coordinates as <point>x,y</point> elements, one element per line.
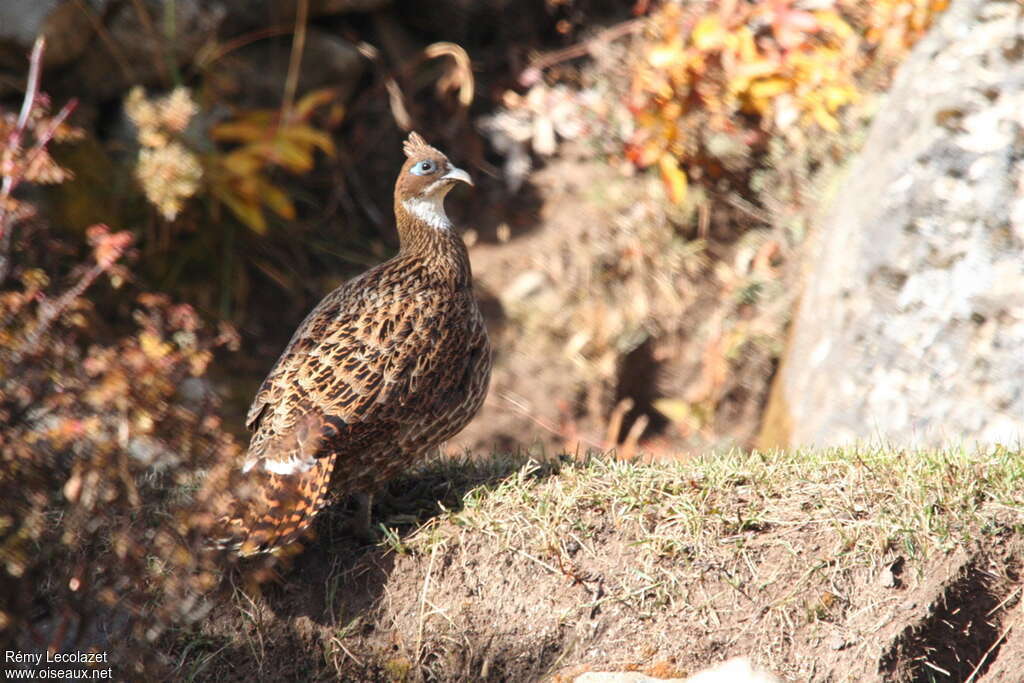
<point>140,41</point>
<point>910,328</point>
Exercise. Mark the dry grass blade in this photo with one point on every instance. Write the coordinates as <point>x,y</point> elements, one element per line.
<point>460,76</point>
<point>418,649</point>
<point>295,60</point>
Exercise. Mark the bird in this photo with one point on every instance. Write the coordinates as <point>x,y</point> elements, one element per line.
<point>383,370</point>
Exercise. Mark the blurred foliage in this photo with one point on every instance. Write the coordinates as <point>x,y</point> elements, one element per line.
<point>751,70</point>
<point>744,109</point>
<point>256,142</point>
<point>267,139</point>
<point>895,25</point>
<point>167,170</point>
<point>101,432</point>
<point>25,157</point>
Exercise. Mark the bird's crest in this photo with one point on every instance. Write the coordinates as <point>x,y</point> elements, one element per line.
<point>415,145</point>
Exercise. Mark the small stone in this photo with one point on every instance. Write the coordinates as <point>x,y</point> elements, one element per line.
<point>887,579</point>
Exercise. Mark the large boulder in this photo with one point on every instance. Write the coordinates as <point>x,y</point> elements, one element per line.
<point>64,24</point>
<point>143,43</point>
<point>910,327</point>
<point>146,41</point>
<point>253,75</point>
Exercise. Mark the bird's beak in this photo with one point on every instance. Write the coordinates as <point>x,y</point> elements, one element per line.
<point>458,174</point>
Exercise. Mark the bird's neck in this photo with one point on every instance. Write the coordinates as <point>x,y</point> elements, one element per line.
<point>426,233</point>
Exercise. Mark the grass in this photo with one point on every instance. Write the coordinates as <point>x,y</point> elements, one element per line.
<point>821,515</point>
<point>878,498</point>
<point>765,553</point>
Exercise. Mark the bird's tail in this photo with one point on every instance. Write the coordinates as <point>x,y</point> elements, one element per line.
<point>278,512</point>
<point>263,511</point>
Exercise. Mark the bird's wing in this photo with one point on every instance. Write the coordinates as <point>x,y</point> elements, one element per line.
<point>369,360</point>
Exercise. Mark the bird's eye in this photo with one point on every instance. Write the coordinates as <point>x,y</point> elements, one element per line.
<point>424,167</point>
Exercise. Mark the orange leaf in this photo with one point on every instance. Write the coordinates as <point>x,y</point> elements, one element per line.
<point>674,178</point>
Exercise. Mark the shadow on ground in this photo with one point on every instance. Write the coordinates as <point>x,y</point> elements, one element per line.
<point>333,589</point>
<point>339,577</point>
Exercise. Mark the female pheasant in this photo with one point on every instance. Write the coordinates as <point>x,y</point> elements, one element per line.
<point>384,369</point>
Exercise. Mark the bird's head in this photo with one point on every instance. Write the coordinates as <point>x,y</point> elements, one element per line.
<point>425,179</point>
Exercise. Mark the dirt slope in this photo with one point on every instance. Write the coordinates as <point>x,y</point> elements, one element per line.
<point>839,566</point>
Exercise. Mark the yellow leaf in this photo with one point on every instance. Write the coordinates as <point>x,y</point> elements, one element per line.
<point>664,56</point>
<point>709,34</point>
<point>297,158</point>
<point>839,95</point>
<point>277,200</point>
<point>675,409</point>
<point>832,22</point>
<point>674,178</point>
<point>305,134</point>
<point>245,209</point>
<point>755,68</point>
<point>695,62</point>
<point>153,346</point>
<point>336,115</point>
<point>767,88</point>
<point>314,99</point>
<point>199,362</point>
<point>742,43</point>
<point>824,119</point>
<point>251,128</point>
<point>242,161</point>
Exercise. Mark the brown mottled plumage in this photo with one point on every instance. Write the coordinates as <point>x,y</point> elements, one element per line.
<point>384,369</point>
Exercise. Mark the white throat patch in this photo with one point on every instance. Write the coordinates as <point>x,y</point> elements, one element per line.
<point>430,210</point>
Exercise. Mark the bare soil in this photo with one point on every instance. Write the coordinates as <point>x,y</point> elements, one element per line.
<point>449,600</point>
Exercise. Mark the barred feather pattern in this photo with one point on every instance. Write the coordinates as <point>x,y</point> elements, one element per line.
<point>381,371</point>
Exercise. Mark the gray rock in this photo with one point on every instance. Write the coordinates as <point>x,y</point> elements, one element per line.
<point>141,48</point>
<point>22,20</point>
<point>911,324</point>
<point>254,75</point>
<point>256,12</point>
<point>63,22</point>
